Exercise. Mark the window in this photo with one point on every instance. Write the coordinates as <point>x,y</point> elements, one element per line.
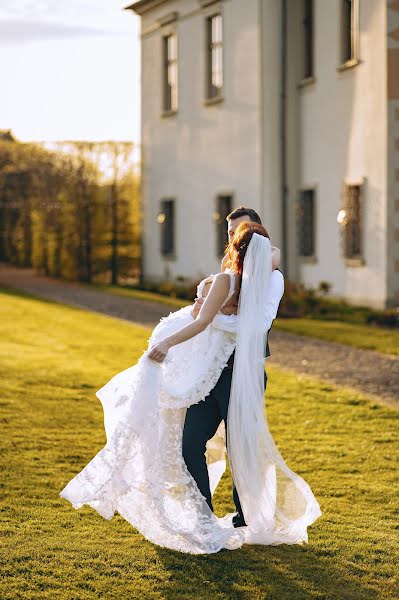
<point>306,223</point>
<point>351,219</point>
<point>349,30</point>
<point>170,73</point>
<point>308,38</point>
<point>223,208</point>
<point>166,219</point>
<point>214,57</point>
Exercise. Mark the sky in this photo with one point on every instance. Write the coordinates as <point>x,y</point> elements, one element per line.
<point>69,69</point>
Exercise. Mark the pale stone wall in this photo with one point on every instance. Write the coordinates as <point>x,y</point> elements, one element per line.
<point>342,135</point>
<point>341,127</point>
<point>202,150</point>
<point>393,153</point>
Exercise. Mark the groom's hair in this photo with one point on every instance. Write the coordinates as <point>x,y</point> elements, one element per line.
<point>241,211</point>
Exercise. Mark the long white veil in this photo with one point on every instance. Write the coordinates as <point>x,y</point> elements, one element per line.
<point>277,503</point>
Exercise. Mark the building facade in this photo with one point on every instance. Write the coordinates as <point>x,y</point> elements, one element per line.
<point>290,107</point>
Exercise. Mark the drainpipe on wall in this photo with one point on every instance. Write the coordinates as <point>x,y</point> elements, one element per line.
<point>141,208</point>
<point>283,138</point>
<point>262,111</point>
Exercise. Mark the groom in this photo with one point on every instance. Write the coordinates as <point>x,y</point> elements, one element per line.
<point>203,419</point>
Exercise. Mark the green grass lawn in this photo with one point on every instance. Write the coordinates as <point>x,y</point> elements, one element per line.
<point>53,358</point>
<point>362,336</point>
<point>370,337</point>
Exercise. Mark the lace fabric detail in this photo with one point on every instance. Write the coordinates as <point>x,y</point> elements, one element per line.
<point>186,379</point>
<point>140,473</point>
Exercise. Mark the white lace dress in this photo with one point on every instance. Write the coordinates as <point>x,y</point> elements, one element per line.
<point>140,473</point>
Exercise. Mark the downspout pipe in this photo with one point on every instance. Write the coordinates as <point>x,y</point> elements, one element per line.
<point>283,137</point>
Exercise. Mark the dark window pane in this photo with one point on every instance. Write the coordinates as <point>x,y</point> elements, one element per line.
<point>305,223</point>
<point>223,208</point>
<point>214,59</point>
<point>347,30</point>
<point>170,72</point>
<point>308,34</point>
<point>166,219</point>
<point>353,222</point>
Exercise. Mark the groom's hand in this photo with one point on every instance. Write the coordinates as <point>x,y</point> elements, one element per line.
<point>229,309</point>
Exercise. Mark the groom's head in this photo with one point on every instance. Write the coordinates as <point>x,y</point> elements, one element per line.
<point>239,215</point>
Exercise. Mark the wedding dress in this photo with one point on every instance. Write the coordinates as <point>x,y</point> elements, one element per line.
<point>140,473</point>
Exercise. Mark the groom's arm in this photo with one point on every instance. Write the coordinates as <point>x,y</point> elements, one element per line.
<point>276,257</point>
<point>274,294</point>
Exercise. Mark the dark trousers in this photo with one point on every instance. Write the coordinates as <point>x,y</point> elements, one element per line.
<point>202,421</point>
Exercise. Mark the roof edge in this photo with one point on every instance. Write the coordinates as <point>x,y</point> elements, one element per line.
<point>142,6</point>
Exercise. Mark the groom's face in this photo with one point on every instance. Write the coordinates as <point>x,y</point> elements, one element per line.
<point>234,223</point>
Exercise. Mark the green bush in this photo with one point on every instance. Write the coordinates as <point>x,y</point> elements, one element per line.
<point>300,301</point>
<point>171,289</point>
<point>385,318</point>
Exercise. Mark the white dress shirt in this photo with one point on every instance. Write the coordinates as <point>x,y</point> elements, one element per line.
<point>274,295</point>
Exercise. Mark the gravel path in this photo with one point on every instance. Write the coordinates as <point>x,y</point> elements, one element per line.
<point>371,372</point>
<point>139,311</point>
<point>365,370</point>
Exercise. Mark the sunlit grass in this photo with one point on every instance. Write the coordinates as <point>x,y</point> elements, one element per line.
<point>370,337</point>
<point>53,358</point>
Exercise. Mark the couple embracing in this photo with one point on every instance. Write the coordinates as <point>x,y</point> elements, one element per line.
<point>194,395</point>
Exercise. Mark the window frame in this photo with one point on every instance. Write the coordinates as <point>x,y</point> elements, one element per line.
<point>220,221</point>
<point>308,37</point>
<point>167,254</point>
<point>209,46</point>
<point>357,260</point>
<point>344,62</point>
<point>308,79</point>
<point>169,110</point>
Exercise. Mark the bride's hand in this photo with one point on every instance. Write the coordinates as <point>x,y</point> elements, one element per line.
<point>158,351</point>
<point>198,302</point>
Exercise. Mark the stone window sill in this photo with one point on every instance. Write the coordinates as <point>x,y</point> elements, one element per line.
<point>306,82</point>
<point>170,257</point>
<point>168,113</point>
<point>354,262</point>
<point>308,260</point>
<point>211,101</point>
<point>349,64</point>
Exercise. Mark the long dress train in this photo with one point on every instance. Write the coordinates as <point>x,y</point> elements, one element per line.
<point>140,473</point>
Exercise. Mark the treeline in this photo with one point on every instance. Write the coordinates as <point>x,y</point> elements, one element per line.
<point>70,210</point>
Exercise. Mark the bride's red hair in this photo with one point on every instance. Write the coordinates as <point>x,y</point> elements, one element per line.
<point>237,246</point>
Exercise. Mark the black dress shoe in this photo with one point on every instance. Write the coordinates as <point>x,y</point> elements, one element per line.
<point>239,521</point>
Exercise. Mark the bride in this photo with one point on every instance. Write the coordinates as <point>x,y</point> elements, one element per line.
<point>140,473</point>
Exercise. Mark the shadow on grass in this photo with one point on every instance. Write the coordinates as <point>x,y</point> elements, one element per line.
<point>274,572</point>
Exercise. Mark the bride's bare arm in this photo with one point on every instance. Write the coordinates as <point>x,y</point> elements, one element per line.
<point>213,302</point>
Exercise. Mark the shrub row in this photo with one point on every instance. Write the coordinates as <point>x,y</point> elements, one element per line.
<point>298,301</point>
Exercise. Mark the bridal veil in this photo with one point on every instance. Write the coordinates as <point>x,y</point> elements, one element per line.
<point>278,504</point>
